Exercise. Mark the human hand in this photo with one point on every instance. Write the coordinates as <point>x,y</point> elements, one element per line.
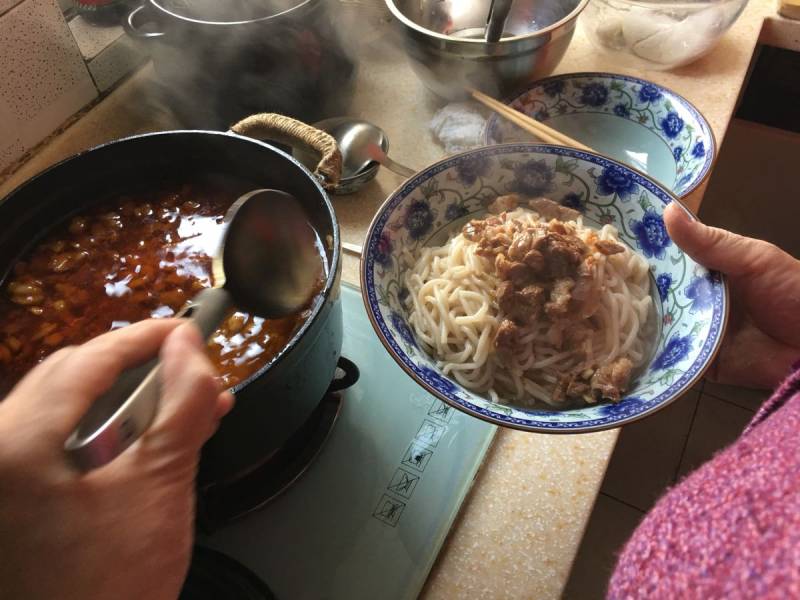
<point>763,337</point>
<point>123,530</point>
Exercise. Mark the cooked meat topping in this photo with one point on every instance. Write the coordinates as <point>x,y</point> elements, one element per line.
<point>535,260</point>
<point>577,388</point>
<point>560,297</point>
<point>608,247</point>
<point>539,265</point>
<point>473,230</point>
<point>507,335</point>
<point>520,246</point>
<point>505,292</point>
<point>556,227</point>
<point>576,333</point>
<point>503,204</point>
<point>611,380</point>
<point>518,273</point>
<point>585,295</point>
<point>522,306</point>
<point>548,209</point>
<point>562,253</point>
<point>574,386</point>
<point>547,272</point>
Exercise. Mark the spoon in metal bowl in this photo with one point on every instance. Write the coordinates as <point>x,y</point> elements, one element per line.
<point>269,263</point>
<point>361,143</point>
<point>496,20</point>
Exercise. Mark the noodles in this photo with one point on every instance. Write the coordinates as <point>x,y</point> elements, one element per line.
<point>578,337</point>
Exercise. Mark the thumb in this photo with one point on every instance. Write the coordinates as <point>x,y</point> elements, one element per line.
<point>190,392</point>
<point>712,247</point>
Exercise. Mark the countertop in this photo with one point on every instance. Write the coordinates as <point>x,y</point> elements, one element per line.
<point>520,528</point>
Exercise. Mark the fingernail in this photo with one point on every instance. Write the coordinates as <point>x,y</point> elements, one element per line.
<point>685,210</point>
<point>190,333</point>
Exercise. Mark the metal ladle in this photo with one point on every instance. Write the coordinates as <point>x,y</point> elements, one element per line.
<point>496,20</point>
<point>361,143</point>
<point>268,264</point>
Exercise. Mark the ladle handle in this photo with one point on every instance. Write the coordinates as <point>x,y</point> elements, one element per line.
<point>496,20</point>
<point>122,414</point>
<point>395,167</point>
<point>282,128</point>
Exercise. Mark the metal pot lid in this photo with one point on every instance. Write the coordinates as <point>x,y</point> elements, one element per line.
<point>228,12</point>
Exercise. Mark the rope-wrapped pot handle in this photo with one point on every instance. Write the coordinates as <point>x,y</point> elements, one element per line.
<point>282,128</point>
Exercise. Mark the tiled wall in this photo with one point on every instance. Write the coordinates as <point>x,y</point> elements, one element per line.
<point>46,76</point>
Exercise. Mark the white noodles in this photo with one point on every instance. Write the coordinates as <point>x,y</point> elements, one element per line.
<point>453,312</point>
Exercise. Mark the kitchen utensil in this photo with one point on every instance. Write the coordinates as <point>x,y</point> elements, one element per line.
<point>217,62</point>
<point>691,303</point>
<point>658,34</point>
<point>446,47</point>
<point>496,20</point>
<point>353,177</point>
<point>361,143</point>
<point>276,280</point>
<point>376,153</point>
<point>532,126</point>
<point>635,121</point>
<point>354,249</point>
<point>278,398</point>
<point>352,135</point>
<point>363,147</point>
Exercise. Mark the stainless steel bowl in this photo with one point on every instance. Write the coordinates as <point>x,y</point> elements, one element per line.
<point>444,42</point>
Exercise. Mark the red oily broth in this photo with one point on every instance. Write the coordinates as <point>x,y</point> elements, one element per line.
<point>124,260</point>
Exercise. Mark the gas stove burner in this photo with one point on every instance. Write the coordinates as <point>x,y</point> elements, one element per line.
<point>213,575</point>
<point>220,504</point>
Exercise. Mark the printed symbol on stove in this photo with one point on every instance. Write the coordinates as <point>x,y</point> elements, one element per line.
<point>389,510</point>
<point>430,433</point>
<point>417,456</point>
<point>403,483</point>
<point>440,410</point>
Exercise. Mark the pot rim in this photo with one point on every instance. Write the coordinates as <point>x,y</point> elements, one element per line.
<point>303,4</point>
<point>332,278</point>
<point>506,43</point>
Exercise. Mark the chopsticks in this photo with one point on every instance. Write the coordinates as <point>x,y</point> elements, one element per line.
<point>352,248</point>
<point>540,130</point>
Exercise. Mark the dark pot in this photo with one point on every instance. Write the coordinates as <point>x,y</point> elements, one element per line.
<point>279,398</point>
<point>220,61</point>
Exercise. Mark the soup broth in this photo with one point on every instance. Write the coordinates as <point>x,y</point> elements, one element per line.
<point>125,260</point>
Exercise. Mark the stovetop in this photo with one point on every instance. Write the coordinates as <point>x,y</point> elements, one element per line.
<point>369,516</point>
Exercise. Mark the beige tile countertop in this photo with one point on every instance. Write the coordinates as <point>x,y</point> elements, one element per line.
<point>520,528</point>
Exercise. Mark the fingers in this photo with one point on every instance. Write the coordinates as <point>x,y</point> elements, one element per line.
<point>712,247</point>
<point>60,390</point>
<point>765,280</point>
<point>764,365</point>
<point>225,403</point>
<point>192,401</point>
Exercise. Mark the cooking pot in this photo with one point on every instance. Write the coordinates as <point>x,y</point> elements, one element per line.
<point>220,61</point>
<point>276,400</point>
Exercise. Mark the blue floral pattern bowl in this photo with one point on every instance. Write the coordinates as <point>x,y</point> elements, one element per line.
<point>691,302</point>
<point>631,120</point>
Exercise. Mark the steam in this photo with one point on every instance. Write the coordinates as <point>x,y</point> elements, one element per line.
<point>301,63</point>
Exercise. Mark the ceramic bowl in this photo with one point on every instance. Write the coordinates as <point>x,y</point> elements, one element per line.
<point>691,302</point>
<point>634,121</point>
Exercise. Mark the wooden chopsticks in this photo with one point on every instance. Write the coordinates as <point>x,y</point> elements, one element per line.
<point>540,130</point>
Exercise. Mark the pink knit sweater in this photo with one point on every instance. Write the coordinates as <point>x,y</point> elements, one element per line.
<point>732,528</point>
